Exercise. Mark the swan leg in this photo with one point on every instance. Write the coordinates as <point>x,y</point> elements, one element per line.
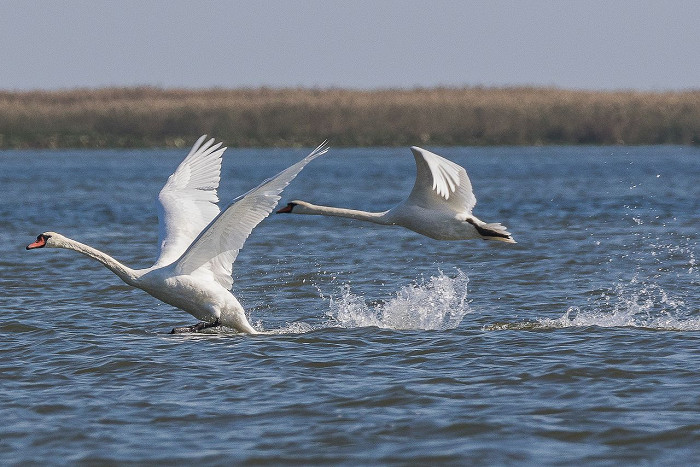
<point>195,327</point>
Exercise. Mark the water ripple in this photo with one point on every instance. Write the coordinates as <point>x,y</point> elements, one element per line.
<point>578,345</point>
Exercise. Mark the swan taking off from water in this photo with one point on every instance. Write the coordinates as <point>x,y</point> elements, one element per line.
<point>439,206</point>
<point>198,244</point>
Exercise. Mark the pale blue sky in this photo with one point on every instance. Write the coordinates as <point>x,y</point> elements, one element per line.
<point>591,44</point>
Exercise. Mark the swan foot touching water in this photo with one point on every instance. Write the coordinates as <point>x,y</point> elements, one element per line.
<point>198,242</point>
<point>439,206</point>
<point>196,327</point>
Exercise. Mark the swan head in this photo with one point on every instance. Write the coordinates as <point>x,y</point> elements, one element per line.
<point>47,240</point>
<point>299,207</point>
<point>288,208</point>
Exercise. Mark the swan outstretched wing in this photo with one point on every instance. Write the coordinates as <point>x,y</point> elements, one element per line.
<point>187,202</point>
<point>441,182</point>
<point>216,248</point>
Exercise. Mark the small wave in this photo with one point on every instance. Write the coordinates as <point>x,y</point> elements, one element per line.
<point>291,328</point>
<point>439,303</point>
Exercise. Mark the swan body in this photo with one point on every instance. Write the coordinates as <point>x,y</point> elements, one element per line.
<point>198,243</point>
<point>439,206</point>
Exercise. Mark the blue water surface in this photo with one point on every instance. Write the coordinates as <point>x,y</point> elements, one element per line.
<point>577,345</point>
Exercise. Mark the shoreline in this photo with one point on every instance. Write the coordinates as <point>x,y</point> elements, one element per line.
<point>149,117</point>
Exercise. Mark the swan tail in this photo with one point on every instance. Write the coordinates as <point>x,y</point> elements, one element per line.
<point>492,231</point>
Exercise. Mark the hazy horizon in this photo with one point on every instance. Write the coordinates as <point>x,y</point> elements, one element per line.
<point>597,45</point>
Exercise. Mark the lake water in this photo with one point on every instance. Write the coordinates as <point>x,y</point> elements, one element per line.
<point>580,344</point>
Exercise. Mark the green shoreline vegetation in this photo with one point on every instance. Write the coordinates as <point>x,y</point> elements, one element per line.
<point>154,117</point>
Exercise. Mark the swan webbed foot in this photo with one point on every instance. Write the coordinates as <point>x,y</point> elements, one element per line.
<point>195,327</point>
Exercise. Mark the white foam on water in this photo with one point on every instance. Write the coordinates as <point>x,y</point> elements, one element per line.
<point>661,294</point>
<point>438,303</point>
<point>634,304</point>
<point>296,327</point>
<point>623,319</point>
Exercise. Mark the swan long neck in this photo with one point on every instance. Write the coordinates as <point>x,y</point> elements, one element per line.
<point>125,273</point>
<point>314,209</point>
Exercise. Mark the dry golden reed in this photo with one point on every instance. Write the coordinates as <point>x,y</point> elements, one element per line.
<point>145,116</point>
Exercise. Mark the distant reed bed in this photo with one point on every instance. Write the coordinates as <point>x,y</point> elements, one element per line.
<point>146,117</point>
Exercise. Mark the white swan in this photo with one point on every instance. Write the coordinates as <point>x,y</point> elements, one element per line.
<point>198,244</point>
<point>439,206</point>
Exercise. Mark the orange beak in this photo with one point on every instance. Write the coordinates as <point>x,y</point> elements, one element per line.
<point>40,242</point>
<point>287,208</point>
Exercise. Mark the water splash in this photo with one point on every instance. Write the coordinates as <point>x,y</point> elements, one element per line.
<point>634,304</point>
<point>660,295</point>
<point>438,303</point>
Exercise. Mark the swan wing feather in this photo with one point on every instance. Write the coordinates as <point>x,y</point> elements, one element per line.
<point>187,202</point>
<point>441,182</point>
<point>217,247</point>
